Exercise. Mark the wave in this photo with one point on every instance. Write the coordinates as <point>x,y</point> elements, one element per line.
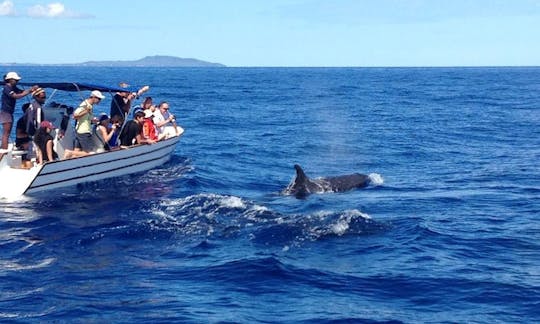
<point>214,216</point>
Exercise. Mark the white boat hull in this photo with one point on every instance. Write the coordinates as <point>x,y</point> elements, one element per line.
<point>94,167</point>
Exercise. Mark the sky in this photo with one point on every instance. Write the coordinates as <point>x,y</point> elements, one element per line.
<point>286,33</point>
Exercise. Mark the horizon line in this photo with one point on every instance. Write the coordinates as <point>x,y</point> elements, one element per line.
<point>269,66</point>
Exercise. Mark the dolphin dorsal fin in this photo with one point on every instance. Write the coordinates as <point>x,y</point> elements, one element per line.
<point>300,175</point>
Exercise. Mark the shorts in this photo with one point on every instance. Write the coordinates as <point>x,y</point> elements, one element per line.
<point>5,117</point>
<point>86,142</point>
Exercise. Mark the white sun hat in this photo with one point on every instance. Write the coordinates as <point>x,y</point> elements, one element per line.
<point>12,75</point>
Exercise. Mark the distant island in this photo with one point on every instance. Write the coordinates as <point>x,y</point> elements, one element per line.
<point>148,61</point>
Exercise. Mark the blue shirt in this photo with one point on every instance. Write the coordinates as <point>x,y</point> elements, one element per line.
<point>8,102</point>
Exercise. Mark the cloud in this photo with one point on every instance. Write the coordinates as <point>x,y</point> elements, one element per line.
<point>51,10</point>
<point>54,10</point>
<point>7,8</point>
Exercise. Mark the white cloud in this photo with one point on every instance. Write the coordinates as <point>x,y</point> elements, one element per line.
<point>7,8</point>
<point>53,10</point>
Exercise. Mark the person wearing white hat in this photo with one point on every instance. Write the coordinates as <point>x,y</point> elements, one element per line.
<point>10,94</point>
<point>84,115</point>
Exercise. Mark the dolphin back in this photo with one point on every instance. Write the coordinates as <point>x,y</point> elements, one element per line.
<point>302,185</point>
<point>348,182</point>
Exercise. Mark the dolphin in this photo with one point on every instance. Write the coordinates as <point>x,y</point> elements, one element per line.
<point>302,185</point>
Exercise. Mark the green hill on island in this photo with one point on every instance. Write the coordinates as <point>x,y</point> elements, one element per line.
<point>148,61</point>
<point>157,61</point>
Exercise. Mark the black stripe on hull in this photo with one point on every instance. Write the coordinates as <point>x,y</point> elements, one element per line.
<point>41,174</point>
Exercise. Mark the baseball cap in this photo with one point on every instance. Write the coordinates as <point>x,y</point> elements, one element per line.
<point>97,94</point>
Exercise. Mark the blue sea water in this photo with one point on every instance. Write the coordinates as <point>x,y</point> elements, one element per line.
<point>449,232</point>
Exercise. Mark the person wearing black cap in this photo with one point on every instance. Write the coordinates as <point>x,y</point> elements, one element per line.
<point>9,96</point>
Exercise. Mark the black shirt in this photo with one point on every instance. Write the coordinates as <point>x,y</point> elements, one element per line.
<point>8,102</point>
<point>117,106</point>
<point>130,131</point>
<point>41,141</point>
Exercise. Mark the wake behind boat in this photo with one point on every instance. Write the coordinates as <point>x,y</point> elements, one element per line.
<point>17,181</point>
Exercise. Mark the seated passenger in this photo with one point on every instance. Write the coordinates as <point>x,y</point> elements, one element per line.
<point>44,143</point>
<point>165,121</point>
<point>149,128</point>
<point>115,125</point>
<point>104,133</point>
<point>132,132</point>
<point>147,104</point>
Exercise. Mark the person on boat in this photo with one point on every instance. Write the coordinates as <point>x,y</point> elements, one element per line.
<point>148,104</point>
<point>165,121</point>
<point>44,143</point>
<point>22,139</point>
<point>10,94</point>
<point>121,104</point>
<point>84,116</point>
<point>132,132</point>
<point>115,125</point>
<point>149,129</point>
<point>34,113</point>
<point>104,133</point>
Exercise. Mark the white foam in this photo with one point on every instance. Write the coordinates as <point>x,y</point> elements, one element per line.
<point>233,202</point>
<point>14,266</point>
<point>340,227</point>
<point>376,179</point>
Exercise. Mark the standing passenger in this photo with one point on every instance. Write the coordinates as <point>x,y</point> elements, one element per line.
<point>34,113</point>
<point>9,96</point>
<point>84,115</point>
<point>121,104</point>
<point>22,139</point>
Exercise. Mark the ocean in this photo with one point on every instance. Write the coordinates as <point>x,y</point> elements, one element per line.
<point>449,233</point>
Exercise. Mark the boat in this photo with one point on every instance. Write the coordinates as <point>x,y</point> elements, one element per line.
<point>19,181</point>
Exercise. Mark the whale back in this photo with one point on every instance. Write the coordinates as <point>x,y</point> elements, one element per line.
<point>302,185</point>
